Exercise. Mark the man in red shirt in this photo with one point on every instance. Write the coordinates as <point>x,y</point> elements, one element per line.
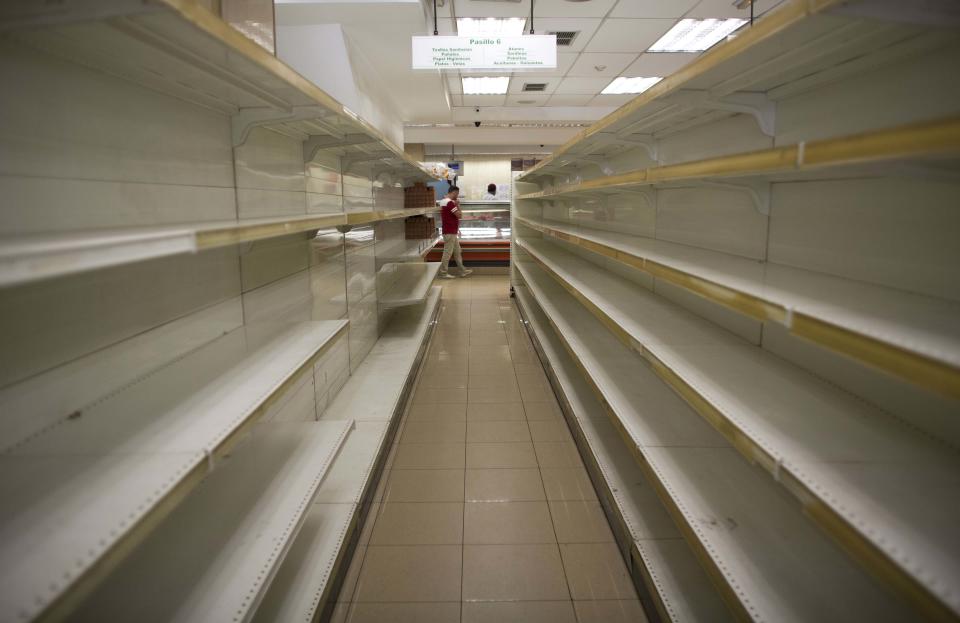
<point>450,219</point>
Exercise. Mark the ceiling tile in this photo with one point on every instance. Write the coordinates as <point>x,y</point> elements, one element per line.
<point>584,26</point>
<point>527,99</point>
<point>516,85</point>
<point>628,35</point>
<point>559,8</point>
<point>723,8</point>
<point>568,99</point>
<point>659,64</point>
<point>652,8</point>
<point>612,64</point>
<point>582,85</point>
<point>482,8</point>
<point>565,61</point>
<point>483,100</point>
<point>611,100</point>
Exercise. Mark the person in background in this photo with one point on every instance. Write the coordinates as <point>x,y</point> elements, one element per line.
<point>491,193</point>
<point>450,220</point>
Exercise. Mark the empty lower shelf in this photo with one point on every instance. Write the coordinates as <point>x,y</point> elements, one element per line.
<point>406,283</point>
<point>408,250</point>
<point>680,588</point>
<point>753,539</point>
<point>215,555</point>
<point>303,583</point>
<point>872,482</point>
<point>80,493</point>
<point>908,335</point>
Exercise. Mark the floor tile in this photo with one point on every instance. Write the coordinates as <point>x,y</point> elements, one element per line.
<point>518,612</point>
<point>615,611</point>
<point>410,573</point>
<point>495,412</point>
<point>442,381</point>
<point>502,359</point>
<point>487,350</point>
<point>513,573</point>
<point>542,410</point>
<point>550,430</point>
<point>424,523</point>
<point>554,454</point>
<point>491,523</point>
<point>596,571</point>
<point>577,521</point>
<point>504,379</point>
<point>500,395</point>
<point>496,337</point>
<point>529,368</point>
<point>533,392</point>
<point>430,456</point>
<point>425,395</point>
<point>503,485</point>
<point>497,455</point>
<point>437,411</point>
<point>398,612</point>
<point>567,483</point>
<point>424,485</point>
<point>486,432</point>
<point>441,431</point>
<point>445,367</point>
<point>484,367</point>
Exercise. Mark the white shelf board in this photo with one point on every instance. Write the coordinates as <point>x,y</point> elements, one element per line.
<point>76,490</point>
<point>404,250</point>
<point>214,556</point>
<point>32,257</point>
<point>883,478</point>
<point>683,589</point>
<point>757,538</point>
<point>914,323</point>
<point>297,592</point>
<point>409,283</point>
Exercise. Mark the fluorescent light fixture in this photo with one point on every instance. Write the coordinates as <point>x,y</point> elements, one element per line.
<point>623,85</point>
<point>507,27</point>
<point>696,35</point>
<point>486,85</point>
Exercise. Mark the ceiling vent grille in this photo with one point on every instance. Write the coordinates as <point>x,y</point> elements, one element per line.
<point>534,87</point>
<point>565,37</point>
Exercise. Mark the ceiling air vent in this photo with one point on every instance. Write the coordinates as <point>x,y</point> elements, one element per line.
<point>565,37</point>
<point>534,87</point>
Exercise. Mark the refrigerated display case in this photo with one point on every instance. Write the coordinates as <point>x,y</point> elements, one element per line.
<point>484,234</point>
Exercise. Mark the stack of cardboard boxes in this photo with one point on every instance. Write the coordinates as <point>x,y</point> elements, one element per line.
<point>420,227</point>
<point>419,196</point>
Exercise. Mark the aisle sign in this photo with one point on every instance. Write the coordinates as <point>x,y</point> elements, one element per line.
<point>490,52</point>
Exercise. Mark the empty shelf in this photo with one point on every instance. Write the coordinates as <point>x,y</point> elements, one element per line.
<point>80,493</point>
<point>679,586</point>
<point>360,218</point>
<point>926,141</point>
<point>882,488</point>
<point>908,335</point>
<point>749,535</point>
<point>33,257</point>
<point>408,283</point>
<point>408,250</point>
<point>795,46</point>
<point>303,583</point>
<point>215,555</point>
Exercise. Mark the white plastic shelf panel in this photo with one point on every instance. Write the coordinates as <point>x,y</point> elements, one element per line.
<point>75,490</point>
<point>755,536</point>
<point>683,589</point>
<point>214,556</point>
<point>883,478</point>
<point>408,283</point>
<point>406,250</point>
<point>914,323</point>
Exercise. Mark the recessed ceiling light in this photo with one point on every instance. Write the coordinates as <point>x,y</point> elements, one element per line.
<point>623,85</point>
<point>508,27</point>
<point>485,85</point>
<point>696,35</point>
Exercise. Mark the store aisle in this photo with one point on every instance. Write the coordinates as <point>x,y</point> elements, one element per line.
<point>485,512</point>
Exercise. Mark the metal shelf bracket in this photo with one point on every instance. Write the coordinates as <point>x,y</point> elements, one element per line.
<point>249,118</point>
<point>758,105</point>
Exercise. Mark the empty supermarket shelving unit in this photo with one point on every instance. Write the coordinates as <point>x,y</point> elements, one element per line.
<point>748,274</point>
<point>194,309</point>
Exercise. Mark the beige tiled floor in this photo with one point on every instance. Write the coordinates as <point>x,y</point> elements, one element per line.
<point>485,512</point>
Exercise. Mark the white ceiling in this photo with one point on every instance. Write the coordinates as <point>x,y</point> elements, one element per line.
<point>612,41</point>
